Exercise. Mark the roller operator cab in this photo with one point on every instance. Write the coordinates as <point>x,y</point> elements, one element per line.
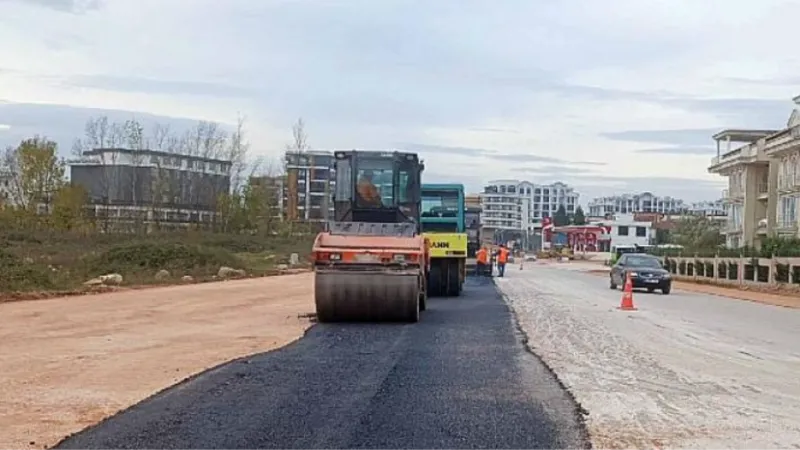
<point>444,226</point>
<point>371,262</point>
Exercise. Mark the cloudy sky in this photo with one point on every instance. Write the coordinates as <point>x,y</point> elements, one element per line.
<point>611,96</point>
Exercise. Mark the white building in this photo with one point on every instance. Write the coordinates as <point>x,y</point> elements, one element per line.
<point>627,231</point>
<point>521,205</point>
<point>635,203</point>
<point>708,208</point>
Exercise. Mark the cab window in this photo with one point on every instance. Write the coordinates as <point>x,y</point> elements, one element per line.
<point>440,204</point>
<point>378,173</point>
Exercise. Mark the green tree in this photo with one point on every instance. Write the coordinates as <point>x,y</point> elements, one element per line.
<point>697,232</point>
<point>37,172</point>
<point>68,207</point>
<point>560,218</point>
<point>579,218</point>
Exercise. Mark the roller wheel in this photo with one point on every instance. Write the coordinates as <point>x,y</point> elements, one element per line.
<point>350,297</point>
<point>435,287</point>
<point>453,279</point>
<point>423,294</point>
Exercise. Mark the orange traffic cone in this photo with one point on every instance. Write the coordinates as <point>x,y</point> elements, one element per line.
<point>627,295</point>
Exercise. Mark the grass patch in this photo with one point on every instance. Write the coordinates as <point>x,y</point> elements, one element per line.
<point>49,261</point>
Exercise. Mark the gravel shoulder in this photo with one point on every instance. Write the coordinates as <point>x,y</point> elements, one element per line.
<point>67,363</point>
<point>687,370</point>
<point>460,378</point>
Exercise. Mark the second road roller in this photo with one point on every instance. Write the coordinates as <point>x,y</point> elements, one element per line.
<point>371,263</point>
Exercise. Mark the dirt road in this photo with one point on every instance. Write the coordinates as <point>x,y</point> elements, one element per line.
<point>687,370</point>
<point>67,363</point>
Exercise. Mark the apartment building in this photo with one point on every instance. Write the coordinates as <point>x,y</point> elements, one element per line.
<point>763,174</point>
<point>534,202</point>
<point>714,208</point>
<point>644,202</point>
<point>309,186</point>
<point>275,189</point>
<point>147,186</point>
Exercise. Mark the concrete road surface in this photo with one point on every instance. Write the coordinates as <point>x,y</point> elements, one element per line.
<point>686,370</point>
<point>461,378</point>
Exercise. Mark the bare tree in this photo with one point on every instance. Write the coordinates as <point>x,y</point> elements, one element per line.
<point>300,136</point>
<point>99,133</point>
<point>236,153</point>
<point>136,141</point>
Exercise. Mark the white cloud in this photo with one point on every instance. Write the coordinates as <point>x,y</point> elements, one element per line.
<point>521,76</point>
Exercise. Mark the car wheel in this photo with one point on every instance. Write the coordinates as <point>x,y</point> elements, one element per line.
<point>611,284</point>
<point>666,290</point>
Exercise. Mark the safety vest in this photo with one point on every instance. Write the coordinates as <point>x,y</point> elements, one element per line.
<point>502,255</point>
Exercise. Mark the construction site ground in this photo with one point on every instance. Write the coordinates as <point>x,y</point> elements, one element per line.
<point>685,370</point>
<point>67,363</point>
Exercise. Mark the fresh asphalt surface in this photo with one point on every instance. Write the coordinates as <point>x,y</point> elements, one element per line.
<point>460,378</point>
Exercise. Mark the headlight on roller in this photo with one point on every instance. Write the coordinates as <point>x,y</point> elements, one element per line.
<point>399,257</point>
<point>335,257</point>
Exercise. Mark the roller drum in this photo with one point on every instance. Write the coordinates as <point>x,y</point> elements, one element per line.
<point>366,296</point>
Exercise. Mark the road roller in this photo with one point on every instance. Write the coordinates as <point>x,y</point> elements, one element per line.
<point>371,261</point>
<point>443,225</point>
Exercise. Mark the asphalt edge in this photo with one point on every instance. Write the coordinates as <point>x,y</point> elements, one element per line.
<point>181,383</point>
<point>580,412</point>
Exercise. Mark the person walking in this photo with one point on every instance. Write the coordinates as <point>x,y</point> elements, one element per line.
<point>502,259</point>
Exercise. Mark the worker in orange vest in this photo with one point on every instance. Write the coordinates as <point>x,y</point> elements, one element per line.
<point>367,191</point>
<point>502,259</point>
<point>482,257</point>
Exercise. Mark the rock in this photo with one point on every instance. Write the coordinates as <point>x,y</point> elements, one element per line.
<point>162,275</point>
<point>28,260</point>
<point>93,282</point>
<point>111,278</point>
<point>294,259</point>
<point>228,272</point>
<point>187,278</point>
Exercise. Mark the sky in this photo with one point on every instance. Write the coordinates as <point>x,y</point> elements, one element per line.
<point>612,97</point>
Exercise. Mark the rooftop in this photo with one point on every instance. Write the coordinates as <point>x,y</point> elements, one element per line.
<point>97,151</point>
<point>748,136</point>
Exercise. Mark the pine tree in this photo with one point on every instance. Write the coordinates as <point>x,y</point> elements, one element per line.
<point>579,218</point>
<point>560,218</point>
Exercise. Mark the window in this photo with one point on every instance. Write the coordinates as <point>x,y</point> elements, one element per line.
<point>318,186</point>
<point>788,211</point>
<point>641,231</point>
<point>622,231</point>
<point>408,183</point>
<point>440,204</point>
<point>344,188</point>
<point>379,173</point>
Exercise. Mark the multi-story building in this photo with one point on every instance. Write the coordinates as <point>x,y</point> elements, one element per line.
<point>515,209</point>
<point>714,208</point>
<point>275,191</point>
<point>472,200</point>
<point>147,186</point>
<point>645,202</point>
<point>763,181</point>
<point>309,186</point>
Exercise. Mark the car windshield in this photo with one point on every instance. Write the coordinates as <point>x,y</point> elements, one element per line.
<point>643,261</point>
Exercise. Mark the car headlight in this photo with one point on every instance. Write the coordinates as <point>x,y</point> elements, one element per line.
<point>633,274</point>
<point>666,275</point>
